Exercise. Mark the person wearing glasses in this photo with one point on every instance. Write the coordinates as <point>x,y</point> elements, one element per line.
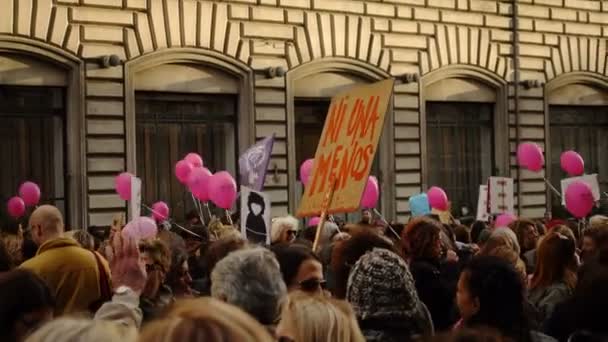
<point>284,229</point>
<point>300,267</point>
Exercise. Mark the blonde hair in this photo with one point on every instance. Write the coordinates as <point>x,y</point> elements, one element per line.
<point>204,319</point>
<point>83,330</point>
<point>316,318</point>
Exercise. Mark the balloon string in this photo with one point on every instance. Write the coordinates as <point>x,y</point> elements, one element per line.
<point>171,221</point>
<point>552,188</point>
<point>197,206</point>
<point>386,222</point>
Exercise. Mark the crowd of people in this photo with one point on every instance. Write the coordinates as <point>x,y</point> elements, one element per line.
<point>425,280</point>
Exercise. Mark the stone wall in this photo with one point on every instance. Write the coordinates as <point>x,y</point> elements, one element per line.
<point>393,36</point>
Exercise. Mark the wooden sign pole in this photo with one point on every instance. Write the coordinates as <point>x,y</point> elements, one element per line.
<point>326,204</point>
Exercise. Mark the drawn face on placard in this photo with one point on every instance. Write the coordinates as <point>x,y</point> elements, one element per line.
<point>256,209</point>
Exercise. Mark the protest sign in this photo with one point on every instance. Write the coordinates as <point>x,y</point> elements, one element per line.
<point>255,216</point>
<point>419,205</point>
<point>346,149</point>
<point>482,204</point>
<point>591,180</point>
<point>501,195</point>
<point>254,163</point>
<point>135,197</point>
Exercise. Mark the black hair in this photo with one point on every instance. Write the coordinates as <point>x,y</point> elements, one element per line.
<point>21,292</point>
<point>500,291</point>
<point>290,258</point>
<point>256,198</point>
<point>6,262</point>
<point>476,229</point>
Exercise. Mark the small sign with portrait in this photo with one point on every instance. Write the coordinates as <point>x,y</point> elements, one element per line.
<point>255,216</point>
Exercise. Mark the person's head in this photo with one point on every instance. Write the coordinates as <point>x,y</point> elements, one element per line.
<point>381,288</point>
<point>300,267</point>
<point>421,239</point>
<point>507,254</point>
<point>589,243</point>
<point>250,279</point>
<point>25,303</point>
<point>157,258</point>
<point>526,232</point>
<point>83,237</point>
<point>255,203</point>
<point>316,318</point>
<point>491,294</point>
<point>82,329</point>
<point>284,229</point>
<point>6,261</point>
<point>462,234</point>
<point>503,237</point>
<point>555,262</point>
<point>219,249</point>
<point>179,278</point>
<point>347,252</point>
<point>565,231</point>
<point>366,216</point>
<point>204,320</point>
<point>46,223</point>
<point>13,246</point>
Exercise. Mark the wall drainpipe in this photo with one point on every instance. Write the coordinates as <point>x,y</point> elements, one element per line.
<point>516,82</point>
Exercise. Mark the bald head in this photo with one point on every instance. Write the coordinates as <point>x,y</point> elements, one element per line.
<point>46,223</point>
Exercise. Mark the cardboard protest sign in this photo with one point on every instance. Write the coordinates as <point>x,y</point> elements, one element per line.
<point>419,205</point>
<point>346,150</point>
<point>591,180</point>
<point>482,204</point>
<point>501,195</point>
<point>255,216</point>
<point>135,202</point>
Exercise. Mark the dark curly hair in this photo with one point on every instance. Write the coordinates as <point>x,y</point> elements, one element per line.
<point>419,238</point>
<point>499,289</point>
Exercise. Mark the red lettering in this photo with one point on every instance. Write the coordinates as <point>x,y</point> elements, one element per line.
<point>353,120</point>
<point>322,171</point>
<point>372,116</point>
<point>334,163</point>
<point>365,156</point>
<point>334,121</point>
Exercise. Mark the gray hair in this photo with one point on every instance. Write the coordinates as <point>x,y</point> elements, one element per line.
<point>251,279</point>
<point>508,233</point>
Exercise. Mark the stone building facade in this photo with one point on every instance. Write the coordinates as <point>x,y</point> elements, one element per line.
<point>269,57</point>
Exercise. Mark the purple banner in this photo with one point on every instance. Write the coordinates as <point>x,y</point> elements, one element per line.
<point>254,163</point>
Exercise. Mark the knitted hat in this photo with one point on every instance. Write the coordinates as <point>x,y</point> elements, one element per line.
<point>381,287</point>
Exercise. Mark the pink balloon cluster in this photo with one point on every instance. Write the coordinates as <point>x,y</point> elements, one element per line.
<point>198,183</point>
<point>222,190</point>
<point>184,167</point>
<point>140,228</point>
<point>438,199</point>
<point>579,199</point>
<point>29,195</point>
<point>371,193</point>
<point>160,211</point>
<point>572,163</point>
<point>530,156</point>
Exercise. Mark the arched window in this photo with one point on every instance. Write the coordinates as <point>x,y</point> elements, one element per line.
<point>464,132</point>
<point>578,120</point>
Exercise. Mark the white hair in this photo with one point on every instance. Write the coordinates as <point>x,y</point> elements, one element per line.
<point>251,280</point>
<point>280,224</point>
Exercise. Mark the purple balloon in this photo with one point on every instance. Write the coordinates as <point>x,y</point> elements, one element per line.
<point>371,193</point>
<point>183,168</point>
<point>30,193</point>
<point>195,159</point>
<point>160,211</point>
<point>438,198</point>
<point>15,207</point>
<point>572,163</point>
<point>222,190</point>
<point>579,199</point>
<point>530,156</point>
<point>305,171</point>
<point>122,184</point>
<point>198,183</point>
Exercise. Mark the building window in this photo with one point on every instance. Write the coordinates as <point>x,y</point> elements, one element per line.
<point>310,114</point>
<point>585,130</point>
<point>168,126</point>
<point>460,149</point>
<point>32,142</point>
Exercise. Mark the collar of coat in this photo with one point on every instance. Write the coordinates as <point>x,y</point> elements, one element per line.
<point>57,243</point>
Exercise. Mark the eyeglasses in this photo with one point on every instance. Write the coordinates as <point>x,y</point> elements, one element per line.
<point>291,232</point>
<point>312,285</point>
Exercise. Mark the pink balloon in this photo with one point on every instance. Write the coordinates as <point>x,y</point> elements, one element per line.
<point>160,211</point>
<point>183,168</point>
<point>579,199</point>
<point>504,220</point>
<point>198,183</point>
<point>371,193</point>
<point>222,190</point>
<point>15,207</point>
<point>313,222</point>
<point>572,163</point>
<point>305,171</point>
<point>30,193</point>
<point>530,156</point>
<point>438,198</point>
<point>122,184</point>
<point>195,159</point>
<point>140,228</point>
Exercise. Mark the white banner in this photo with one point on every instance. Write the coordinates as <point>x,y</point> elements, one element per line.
<point>482,204</point>
<point>589,179</point>
<point>135,198</point>
<point>501,195</point>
